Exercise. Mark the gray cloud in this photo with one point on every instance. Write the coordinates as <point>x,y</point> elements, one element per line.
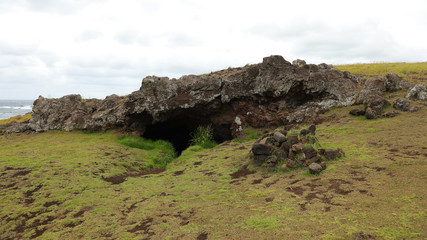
<point>132,37</point>
<point>89,35</point>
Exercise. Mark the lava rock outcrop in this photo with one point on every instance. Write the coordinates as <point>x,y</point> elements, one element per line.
<point>270,93</point>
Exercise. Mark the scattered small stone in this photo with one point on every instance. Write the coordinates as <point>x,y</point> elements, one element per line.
<point>401,104</point>
<point>281,154</point>
<point>417,92</point>
<point>391,114</point>
<point>312,129</point>
<point>290,163</point>
<point>309,151</point>
<point>315,168</point>
<point>260,159</point>
<point>414,109</point>
<point>292,151</point>
<point>297,147</point>
<point>284,167</point>
<point>323,165</point>
<point>271,161</point>
<point>286,146</point>
<point>262,149</point>
<point>304,132</point>
<point>292,139</point>
<point>370,114</point>
<point>332,154</point>
<point>279,137</point>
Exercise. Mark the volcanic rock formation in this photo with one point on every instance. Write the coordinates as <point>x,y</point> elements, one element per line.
<point>270,93</point>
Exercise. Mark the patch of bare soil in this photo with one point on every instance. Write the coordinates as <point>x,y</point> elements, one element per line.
<point>297,190</point>
<point>271,183</point>
<point>257,181</point>
<point>51,203</point>
<point>184,217</point>
<point>144,227</point>
<point>133,206</point>
<point>82,211</point>
<point>363,236</point>
<point>121,178</point>
<point>243,172</point>
<point>336,186</point>
<point>177,173</point>
<point>202,236</point>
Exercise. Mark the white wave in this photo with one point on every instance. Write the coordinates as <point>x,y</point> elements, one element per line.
<point>17,107</point>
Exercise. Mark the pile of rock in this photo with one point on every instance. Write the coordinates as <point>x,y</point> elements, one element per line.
<point>288,149</point>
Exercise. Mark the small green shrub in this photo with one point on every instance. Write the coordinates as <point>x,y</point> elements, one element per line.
<point>248,136</point>
<point>203,136</point>
<point>160,153</point>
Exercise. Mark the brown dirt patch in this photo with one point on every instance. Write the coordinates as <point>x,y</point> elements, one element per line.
<point>202,236</point>
<point>243,172</point>
<point>121,178</point>
<point>30,193</point>
<point>295,181</point>
<point>297,190</point>
<point>360,179</point>
<point>271,183</point>
<point>133,206</point>
<point>198,163</point>
<point>177,173</point>
<point>184,217</point>
<point>269,199</point>
<point>363,236</point>
<point>21,173</point>
<point>336,184</point>
<point>143,226</point>
<point>257,181</point>
<point>51,203</point>
<point>82,211</point>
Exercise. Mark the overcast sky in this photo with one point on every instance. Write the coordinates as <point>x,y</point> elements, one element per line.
<point>100,47</point>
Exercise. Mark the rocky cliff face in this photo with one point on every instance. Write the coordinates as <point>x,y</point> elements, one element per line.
<point>268,93</point>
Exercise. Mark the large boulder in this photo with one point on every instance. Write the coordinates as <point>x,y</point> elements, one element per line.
<point>393,82</point>
<point>417,92</point>
<point>374,105</point>
<point>401,104</point>
<point>373,86</point>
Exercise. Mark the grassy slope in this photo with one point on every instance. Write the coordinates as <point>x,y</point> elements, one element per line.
<point>412,72</point>
<point>51,186</point>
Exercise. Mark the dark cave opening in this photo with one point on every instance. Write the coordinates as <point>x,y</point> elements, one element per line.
<point>179,130</point>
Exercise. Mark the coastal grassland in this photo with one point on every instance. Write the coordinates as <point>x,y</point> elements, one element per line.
<point>412,72</point>
<point>17,119</point>
<point>73,185</point>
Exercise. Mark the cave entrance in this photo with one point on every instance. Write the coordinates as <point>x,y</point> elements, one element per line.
<point>178,131</point>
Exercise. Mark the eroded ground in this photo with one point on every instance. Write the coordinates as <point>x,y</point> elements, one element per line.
<point>59,185</point>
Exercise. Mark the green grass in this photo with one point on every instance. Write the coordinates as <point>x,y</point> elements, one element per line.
<point>203,136</point>
<point>412,72</point>
<point>17,119</point>
<point>160,154</point>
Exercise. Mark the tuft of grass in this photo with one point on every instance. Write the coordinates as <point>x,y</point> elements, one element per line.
<point>249,135</point>
<point>203,136</point>
<point>160,154</point>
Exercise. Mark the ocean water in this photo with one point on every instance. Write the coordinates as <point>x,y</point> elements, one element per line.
<point>10,108</point>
